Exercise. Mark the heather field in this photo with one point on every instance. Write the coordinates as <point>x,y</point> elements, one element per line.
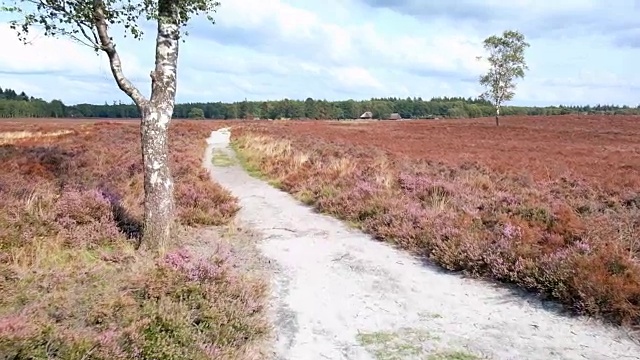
<point>550,204</point>
<point>73,284</point>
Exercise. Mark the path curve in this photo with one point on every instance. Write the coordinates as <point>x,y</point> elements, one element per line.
<point>338,294</point>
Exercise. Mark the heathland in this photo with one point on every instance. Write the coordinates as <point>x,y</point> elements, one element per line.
<point>549,204</point>
<point>73,284</point>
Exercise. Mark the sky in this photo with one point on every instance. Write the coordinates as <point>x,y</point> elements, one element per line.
<point>582,52</point>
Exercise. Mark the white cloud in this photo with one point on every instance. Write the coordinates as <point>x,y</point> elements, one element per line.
<point>354,77</point>
<point>530,7</point>
<point>44,54</point>
<point>59,55</point>
<point>267,49</point>
<point>443,53</point>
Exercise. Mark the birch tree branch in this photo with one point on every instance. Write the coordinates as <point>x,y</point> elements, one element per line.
<point>107,45</point>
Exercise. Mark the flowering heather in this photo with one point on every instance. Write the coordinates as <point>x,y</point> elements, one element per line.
<point>15,327</point>
<point>511,232</point>
<point>561,219</point>
<point>73,285</point>
<point>85,217</point>
<point>199,270</point>
<point>364,188</point>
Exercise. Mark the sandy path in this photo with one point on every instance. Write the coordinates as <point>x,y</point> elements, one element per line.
<point>337,294</point>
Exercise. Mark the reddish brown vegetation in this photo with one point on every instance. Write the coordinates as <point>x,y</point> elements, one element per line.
<point>603,150</point>
<point>72,285</point>
<point>107,160</point>
<point>548,203</point>
<point>52,124</point>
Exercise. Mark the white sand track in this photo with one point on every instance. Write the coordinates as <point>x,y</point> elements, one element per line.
<point>338,294</point>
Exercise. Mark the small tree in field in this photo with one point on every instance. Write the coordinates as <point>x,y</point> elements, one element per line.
<point>507,63</point>
<point>89,22</point>
<point>196,113</point>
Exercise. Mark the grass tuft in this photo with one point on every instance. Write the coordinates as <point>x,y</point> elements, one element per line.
<point>221,158</point>
<point>452,355</point>
<point>10,137</point>
<point>396,345</point>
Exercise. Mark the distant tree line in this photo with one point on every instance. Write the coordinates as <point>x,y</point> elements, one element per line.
<point>13,104</point>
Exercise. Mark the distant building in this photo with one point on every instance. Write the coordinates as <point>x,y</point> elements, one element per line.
<point>395,116</point>
<point>367,115</point>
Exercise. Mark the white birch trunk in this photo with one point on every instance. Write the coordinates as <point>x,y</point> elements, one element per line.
<point>158,182</point>
<point>156,116</point>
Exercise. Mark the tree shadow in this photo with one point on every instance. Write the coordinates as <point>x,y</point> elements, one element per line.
<point>125,221</point>
<point>68,168</point>
<point>503,292</point>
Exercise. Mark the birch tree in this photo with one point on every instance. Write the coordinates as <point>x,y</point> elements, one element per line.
<point>507,63</point>
<point>91,23</point>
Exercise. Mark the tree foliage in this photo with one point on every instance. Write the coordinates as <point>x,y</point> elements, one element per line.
<point>507,63</point>
<point>80,19</point>
<point>19,104</point>
<point>196,113</point>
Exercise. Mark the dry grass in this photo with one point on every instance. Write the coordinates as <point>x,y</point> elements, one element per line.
<point>72,284</point>
<point>51,124</point>
<point>10,137</point>
<point>549,204</point>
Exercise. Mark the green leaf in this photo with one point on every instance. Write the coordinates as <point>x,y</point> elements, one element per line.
<point>75,18</point>
<point>507,63</point>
